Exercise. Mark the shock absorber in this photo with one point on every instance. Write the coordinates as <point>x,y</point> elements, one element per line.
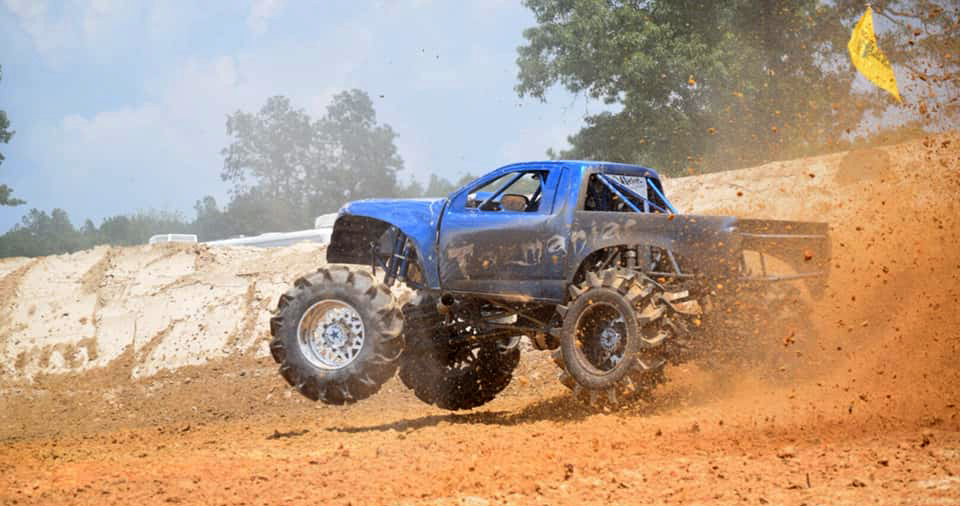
<point>399,261</point>
<point>630,258</point>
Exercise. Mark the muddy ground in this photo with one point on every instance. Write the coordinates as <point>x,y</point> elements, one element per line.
<point>864,411</point>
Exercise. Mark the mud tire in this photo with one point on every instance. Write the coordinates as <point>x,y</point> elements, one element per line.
<point>375,362</point>
<point>640,303</point>
<point>434,370</point>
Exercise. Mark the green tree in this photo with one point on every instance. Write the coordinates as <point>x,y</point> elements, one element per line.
<point>440,187</point>
<point>283,163</point>
<point>211,223</point>
<point>6,198</point>
<point>411,190</point>
<point>696,83</point>
<point>39,234</point>
<point>271,155</point>
<point>253,213</point>
<point>361,158</point>
<point>137,228</point>
<point>436,187</point>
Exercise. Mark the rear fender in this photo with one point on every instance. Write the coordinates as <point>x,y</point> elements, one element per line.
<point>706,244</point>
<point>710,247</point>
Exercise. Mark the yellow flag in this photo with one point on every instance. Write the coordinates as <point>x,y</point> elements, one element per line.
<point>868,58</point>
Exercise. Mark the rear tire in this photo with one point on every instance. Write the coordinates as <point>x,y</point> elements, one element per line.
<point>451,376</point>
<point>612,348</point>
<point>337,335</point>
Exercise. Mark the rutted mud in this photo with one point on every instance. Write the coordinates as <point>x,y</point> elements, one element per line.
<point>176,400</point>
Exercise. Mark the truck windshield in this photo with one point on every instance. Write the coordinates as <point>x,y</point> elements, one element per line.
<point>515,191</point>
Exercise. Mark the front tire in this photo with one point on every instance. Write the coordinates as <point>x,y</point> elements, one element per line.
<point>337,335</point>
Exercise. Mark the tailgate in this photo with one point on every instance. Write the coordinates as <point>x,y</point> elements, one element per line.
<point>803,245</point>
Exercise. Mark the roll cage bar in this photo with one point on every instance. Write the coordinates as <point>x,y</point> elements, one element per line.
<point>619,189</point>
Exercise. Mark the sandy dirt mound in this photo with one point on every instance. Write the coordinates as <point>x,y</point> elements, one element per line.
<point>142,309</point>
<point>175,402</point>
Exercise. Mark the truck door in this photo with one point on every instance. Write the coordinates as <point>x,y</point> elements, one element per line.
<point>501,235</point>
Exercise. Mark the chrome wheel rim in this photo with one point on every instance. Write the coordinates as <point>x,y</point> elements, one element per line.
<point>330,334</point>
<point>601,336</point>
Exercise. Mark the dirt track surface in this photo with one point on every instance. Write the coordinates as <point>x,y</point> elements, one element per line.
<point>865,412</point>
<point>518,450</point>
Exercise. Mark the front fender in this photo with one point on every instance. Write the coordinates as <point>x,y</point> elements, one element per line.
<point>362,222</point>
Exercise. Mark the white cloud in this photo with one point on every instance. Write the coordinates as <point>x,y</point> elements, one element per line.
<point>260,12</point>
<point>97,15</point>
<point>27,9</point>
<point>162,153</point>
<point>34,20</point>
<point>165,151</point>
<point>74,25</point>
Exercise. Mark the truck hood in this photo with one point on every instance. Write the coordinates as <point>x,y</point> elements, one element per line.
<point>399,212</point>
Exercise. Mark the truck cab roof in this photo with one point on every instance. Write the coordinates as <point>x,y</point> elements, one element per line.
<point>614,167</point>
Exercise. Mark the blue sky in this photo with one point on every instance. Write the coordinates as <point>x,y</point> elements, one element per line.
<point>120,106</point>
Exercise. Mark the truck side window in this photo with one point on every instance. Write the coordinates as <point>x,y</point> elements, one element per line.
<point>600,198</point>
<point>513,192</point>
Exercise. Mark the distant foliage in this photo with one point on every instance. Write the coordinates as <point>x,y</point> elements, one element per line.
<point>6,198</point>
<point>40,234</point>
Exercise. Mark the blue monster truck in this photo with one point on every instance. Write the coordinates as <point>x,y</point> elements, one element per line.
<point>589,259</point>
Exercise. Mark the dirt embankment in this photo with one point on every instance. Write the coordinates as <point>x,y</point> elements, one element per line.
<point>863,412</point>
<point>140,310</point>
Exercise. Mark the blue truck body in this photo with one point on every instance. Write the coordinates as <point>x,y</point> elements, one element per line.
<point>588,259</point>
<point>535,255</point>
